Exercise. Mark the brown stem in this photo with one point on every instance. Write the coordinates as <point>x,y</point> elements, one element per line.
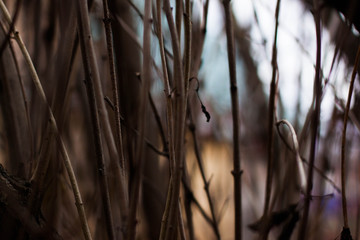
<point>165,217</point>
<point>110,49</point>
<point>146,78</point>
<point>200,42</point>
<point>11,27</point>
<point>178,17</point>
<point>91,73</point>
<point>315,124</point>
<point>105,123</point>
<point>179,124</point>
<point>201,167</point>
<point>343,140</point>
<point>187,205</point>
<point>147,141</point>
<point>159,123</point>
<point>271,120</point>
<point>169,107</point>
<point>188,45</point>
<point>236,119</point>
<point>181,227</point>
<point>193,199</point>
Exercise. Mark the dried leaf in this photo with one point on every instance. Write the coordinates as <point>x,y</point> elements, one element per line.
<point>346,234</point>
<point>203,108</point>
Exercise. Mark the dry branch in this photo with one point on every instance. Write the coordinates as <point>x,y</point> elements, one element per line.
<point>235,118</point>
<point>92,85</point>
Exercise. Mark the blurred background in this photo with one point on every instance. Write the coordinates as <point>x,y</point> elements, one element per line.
<point>49,31</point>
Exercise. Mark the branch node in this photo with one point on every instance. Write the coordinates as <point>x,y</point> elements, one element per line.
<point>237,173</point>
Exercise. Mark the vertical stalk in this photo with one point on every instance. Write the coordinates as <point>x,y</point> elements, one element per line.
<point>165,217</point>
<point>343,140</point>
<point>236,119</point>
<point>181,227</point>
<point>110,48</point>
<point>179,127</point>
<point>315,124</point>
<point>192,128</point>
<point>187,206</point>
<point>92,76</point>
<point>169,118</point>
<point>169,110</point>
<point>271,120</point>
<point>145,85</point>
<point>198,49</point>
<point>188,44</point>
<point>178,17</point>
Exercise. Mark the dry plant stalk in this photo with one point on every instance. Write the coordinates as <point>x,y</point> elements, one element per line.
<point>145,85</point>
<point>123,201</point>
<point>78,200</point>
<point>178,16</point>
<point>188,45</point>
<point>92,78</point>
<point>343,140</point>
<point>315,123</point>
<point>110,48</point>
<point>169,108</point>
<point>235,118</point>
<point>170,223</point>
<point>271,120</point>
<point>213,222</point>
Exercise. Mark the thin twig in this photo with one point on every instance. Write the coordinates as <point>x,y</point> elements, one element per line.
<point>78,200</point>
<point>343,139</point>
<point>178,16</point>
<point>26,105</point>
<point>315,124</point>
<point>38,177</point>
<point>154,30</point>
<point>92,76</point>
<point>159,123</point>
<point>110,48</point>
<point>147,141</point>
<point>181,227</point>
<point>165,216</point>
<point>271,120</point>
<point>167,89</point>
<point>134,37</point>
<point>200,42</point>
<point>235,118</point>
<point>137,10</point>
<point>188,45</point>
<point>187,205</point>
<point>105,122</point>
<point>179,124</point>
<point>193,199</point>
<point>187,67</point>
<point>11,27</point>
<point>145,85</point>
<point>214,223</point>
